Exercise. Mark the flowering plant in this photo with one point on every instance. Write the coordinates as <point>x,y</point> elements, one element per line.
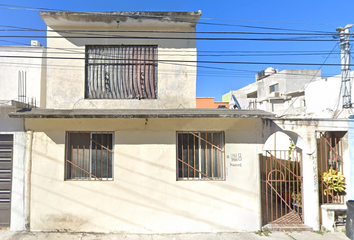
<point>334,180</point>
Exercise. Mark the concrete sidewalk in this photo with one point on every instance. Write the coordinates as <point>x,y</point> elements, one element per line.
<point>7,235</point>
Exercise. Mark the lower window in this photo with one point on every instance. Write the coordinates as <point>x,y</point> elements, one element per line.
<point>89,156</point>
<point>200,156</point>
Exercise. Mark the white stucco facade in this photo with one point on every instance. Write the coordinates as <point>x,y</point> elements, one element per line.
<point>176,57</point>
<point>145,195</point>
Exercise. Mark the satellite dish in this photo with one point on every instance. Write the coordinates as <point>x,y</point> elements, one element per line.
<point>348,26</point>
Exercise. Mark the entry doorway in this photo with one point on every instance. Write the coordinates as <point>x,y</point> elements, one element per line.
<point>282,181</point>
<point>281,186</point>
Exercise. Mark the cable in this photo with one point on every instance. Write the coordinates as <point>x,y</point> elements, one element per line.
<point>257,27</point>
<point>183,61</point>
<point>82,50</point>
<point>168,53</point>
<point>23,29</point>
<point>305,39</point>
<point>17,7</point>
<point>11,42</point>
<point>292,103</point>
<point>260,21</point>
<point>7,6</point>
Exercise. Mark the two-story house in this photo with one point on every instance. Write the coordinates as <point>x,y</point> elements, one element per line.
<point>121,147</point>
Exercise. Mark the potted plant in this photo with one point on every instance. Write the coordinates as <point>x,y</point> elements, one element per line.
<point>334,182</point>
<point>297,202</point>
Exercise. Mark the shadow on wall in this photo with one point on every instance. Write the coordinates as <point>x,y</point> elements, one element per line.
<point>152,196</point>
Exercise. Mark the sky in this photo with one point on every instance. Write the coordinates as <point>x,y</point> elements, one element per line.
<point>235,38</point>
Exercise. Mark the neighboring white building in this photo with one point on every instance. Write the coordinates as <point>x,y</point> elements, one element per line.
<point>294,93</point>
<point>276,91</point>
<point>324,97</point>
<point>22,81</point>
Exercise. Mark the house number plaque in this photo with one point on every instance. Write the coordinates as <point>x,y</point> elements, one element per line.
<point>236,160</point>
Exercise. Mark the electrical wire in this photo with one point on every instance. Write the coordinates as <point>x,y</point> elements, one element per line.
<point>304,39</point>
<point>23,29</point>
<point>262,21</point>
<point>17,7</point>
<point>179,61</point>
<point>183,53</point>
<point>292,103</point>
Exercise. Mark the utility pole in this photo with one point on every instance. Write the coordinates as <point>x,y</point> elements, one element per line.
<point>345,65</point>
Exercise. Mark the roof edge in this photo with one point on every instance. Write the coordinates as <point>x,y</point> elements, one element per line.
<point>123,18</point>
<point>141,113</point>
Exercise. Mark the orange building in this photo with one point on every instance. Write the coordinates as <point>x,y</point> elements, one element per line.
<point>208,102</point>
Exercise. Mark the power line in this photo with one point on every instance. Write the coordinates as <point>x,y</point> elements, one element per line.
<point>177,61</point>
<point>23,29</point>
<point>17,7</point>
<point>260,21</point>
<point>66,66</point>
<point>323,64</point>
<point>258,27</point>
<point>175,38</point>
<point>184,53</point>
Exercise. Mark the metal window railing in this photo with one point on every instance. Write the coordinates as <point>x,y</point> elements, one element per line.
<point>89,156</point>
<point>200,156</point>
<point>121,72</point>
<point>329,156</point>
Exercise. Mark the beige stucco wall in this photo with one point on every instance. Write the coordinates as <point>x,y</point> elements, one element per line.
<point>145,195</point>
<point>176,81</point>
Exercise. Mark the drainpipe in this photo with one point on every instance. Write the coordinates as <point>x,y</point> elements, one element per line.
<point>29,141</point>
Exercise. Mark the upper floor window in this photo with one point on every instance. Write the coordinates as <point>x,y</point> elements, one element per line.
<point>274,88</point>
<point>121,72</point>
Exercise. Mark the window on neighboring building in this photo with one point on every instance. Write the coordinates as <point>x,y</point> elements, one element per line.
<point>121,72</point>
<point>274,88</point>
<point>252,95</point>
<point>89,156</point>
<point>200,156</point>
